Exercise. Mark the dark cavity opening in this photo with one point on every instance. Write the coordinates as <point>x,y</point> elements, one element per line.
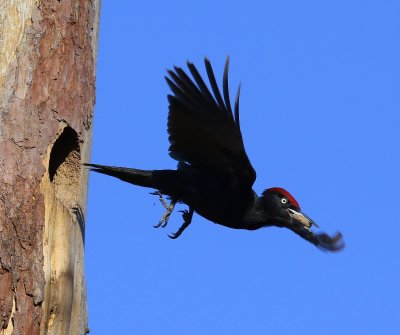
<point>66,143</point>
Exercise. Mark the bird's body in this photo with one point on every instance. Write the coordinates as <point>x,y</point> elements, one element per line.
<point>212,195</point>
<point>214,175</point>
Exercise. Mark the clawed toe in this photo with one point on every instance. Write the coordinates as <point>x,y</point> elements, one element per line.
<point>186,215</point>
<point>161,224</point>
<point>173,236</point>
<point>169,209</point>
<point>187,218</point>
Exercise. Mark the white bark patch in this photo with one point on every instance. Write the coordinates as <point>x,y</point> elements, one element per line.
<point>15,15</point>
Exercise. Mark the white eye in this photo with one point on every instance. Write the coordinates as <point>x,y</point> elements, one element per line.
<point>284,200</point>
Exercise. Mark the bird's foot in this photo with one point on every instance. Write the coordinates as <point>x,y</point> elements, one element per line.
<point>187,219</point>
<point>169,209</point>
<point>186,215</point>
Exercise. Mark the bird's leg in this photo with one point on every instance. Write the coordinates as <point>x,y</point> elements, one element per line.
<point>169,208</point>
<point>187,218</point>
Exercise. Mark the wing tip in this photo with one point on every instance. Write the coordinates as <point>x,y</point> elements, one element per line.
<point>330,243</point>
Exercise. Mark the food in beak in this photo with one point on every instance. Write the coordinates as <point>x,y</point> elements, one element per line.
<point>301,218</point>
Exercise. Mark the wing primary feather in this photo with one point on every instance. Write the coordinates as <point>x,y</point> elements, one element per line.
<point>202,99</point>
<point>174,88</point>
<point>202,86</point>
<point>179,95</point>
<point>237,118</point>
<point>226,89</point>
<point>189,92</point>
<point>214,84</point>
<point>186,80</point>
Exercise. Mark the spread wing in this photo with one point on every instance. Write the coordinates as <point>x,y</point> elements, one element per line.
<point>203,130</point>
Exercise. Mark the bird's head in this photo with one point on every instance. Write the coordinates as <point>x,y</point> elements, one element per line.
<point>284,209</point>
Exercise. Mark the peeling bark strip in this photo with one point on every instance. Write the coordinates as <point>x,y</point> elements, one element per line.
<point>47,77</point>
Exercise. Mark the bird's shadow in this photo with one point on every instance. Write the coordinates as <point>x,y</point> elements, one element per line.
<point>80,219</point>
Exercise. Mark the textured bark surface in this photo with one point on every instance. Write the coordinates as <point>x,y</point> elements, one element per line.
<point>47,77</point>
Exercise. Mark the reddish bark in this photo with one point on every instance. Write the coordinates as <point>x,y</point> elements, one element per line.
<point>47,87</point>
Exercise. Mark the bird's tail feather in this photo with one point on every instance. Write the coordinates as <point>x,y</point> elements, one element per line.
<point>167,181</point>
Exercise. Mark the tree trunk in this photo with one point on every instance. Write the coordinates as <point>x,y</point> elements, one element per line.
<point>47,77</point>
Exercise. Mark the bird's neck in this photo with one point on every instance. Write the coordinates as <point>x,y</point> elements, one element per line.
<point>256,217</point>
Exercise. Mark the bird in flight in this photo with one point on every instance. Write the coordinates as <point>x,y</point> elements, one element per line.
<point>214,176</point>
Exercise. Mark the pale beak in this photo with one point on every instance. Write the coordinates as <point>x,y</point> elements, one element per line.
<point>301,218</point>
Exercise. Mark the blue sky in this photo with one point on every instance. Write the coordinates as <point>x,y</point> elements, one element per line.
<point>320,117</point>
